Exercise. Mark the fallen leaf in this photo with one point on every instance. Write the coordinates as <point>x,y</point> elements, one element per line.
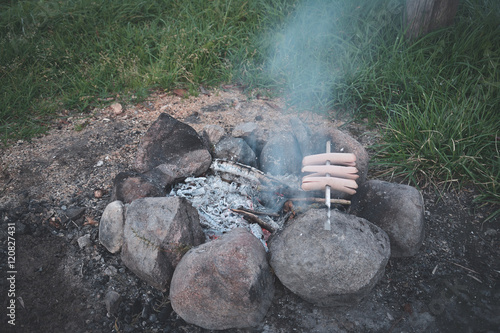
<point>180,92</point>
<point>90,221</point>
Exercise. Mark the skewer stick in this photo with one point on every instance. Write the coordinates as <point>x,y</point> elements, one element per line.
<point>322,200</point>
<point>327,193</point>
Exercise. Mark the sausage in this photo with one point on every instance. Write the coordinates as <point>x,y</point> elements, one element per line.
<point>334,158</point>
<point>333,170</point>
<point>339,184</point>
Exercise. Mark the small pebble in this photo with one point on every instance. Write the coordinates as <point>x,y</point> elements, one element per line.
<point>112,300</point>
<point>84,241</point>
<point>117,108</point>
<point>110,270</point>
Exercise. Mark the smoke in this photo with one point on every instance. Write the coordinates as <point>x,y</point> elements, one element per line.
<point>324,45</point>
<point>304,56</point>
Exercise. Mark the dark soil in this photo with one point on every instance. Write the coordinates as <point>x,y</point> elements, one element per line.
<point>451,285</point>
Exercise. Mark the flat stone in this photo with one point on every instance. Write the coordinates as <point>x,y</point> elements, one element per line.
<point>112,301</point>
<point>244,129</point>
<point>397,209</point>
<point>111,226</point>
<point>74,213</point>
<point>335,267</point>
<point>157,233</point>
<point>223,284</point>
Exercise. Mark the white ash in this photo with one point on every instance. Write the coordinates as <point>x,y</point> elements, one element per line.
<point>214,199</point>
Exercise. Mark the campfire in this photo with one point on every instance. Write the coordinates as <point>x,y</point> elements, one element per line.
<point>220,217</point>
<point>230,198</point>
<point>224,206</point>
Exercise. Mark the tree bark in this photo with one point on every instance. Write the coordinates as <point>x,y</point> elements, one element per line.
<point>424,16</point>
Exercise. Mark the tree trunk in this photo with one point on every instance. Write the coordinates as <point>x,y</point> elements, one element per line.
<point>424,16</point>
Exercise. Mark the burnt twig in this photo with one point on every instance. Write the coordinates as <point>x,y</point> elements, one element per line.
<point>233,171</point>
<point>252,218</point>
<point>257,212</point>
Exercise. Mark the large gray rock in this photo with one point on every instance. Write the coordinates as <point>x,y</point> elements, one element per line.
<point>157,233</point>
<point>330,268</point>
<point>310,143</point>
<point>171,150</point>
<point>130,185</point>
<point>111,226</point>
<point>223,284</point>
<point>281,155</point>
<point>397,209</point>
<point>236,150</point>
<point>253,135</point>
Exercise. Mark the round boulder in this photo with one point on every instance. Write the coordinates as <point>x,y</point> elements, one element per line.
<point>281,155</point>
<point>223,284</point>
<point>337,267</point>
<point>157,233</point>
<point>396,208</point>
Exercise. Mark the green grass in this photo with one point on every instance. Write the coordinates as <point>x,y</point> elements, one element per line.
<point>436,100</point>
<point>68,54</point>
<point>438,103</point>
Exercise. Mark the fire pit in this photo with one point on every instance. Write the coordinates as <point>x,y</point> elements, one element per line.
<point>335,264</point>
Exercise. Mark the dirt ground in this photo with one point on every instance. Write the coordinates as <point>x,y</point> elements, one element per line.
<point>54,189</point>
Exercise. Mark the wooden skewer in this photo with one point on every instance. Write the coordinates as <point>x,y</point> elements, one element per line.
<point>327,193</point>
<point>322,200</point>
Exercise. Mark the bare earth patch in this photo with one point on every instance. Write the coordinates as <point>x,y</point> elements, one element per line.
<point>56,187</point>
